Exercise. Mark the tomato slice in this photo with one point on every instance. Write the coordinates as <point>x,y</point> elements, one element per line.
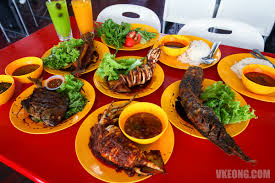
<point>129,42</point>
<point>137,38</point>
<point>131,34</point>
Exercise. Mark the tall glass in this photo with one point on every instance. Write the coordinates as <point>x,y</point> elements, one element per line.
<point>60,18</point>
<point>84,15</point>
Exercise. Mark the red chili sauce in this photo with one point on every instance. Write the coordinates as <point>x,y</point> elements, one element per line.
<point>143,125</point>
<point>261,78</point>
<point>54,83</point>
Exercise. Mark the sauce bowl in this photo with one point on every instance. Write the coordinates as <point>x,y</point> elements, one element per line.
<point>6,95</point>
<point>23,62</point>
<point>174,39</point>
<point>255,87</point>
<point>143,107</point>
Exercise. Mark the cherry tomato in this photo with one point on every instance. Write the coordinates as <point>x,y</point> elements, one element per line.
<point>129,42</point>
<point>137,38</point>
<point>131,34</point>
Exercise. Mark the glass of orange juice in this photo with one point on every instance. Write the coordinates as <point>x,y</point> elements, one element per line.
<point>84,15</point>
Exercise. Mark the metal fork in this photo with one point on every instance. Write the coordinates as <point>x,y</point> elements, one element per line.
<point>256,53</point>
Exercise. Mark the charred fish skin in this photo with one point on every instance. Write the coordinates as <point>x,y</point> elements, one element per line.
<point>202,117</point>
<point>47,106</point>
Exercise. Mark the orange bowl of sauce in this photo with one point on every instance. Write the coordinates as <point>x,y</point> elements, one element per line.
<point>25,67</point>
<point>174,45</point>
<point>7,87</point>
<point>143,122</point>
<point>259,79</point>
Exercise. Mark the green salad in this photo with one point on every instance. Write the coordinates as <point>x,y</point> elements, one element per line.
<point>63,54</point>
<point>221,99</point>
<point>72,87</point>
<point>119,35</point>
<point>111,68</point>
<point>114,34</point>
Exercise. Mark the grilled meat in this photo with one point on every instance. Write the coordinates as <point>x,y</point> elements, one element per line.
<point>47,106</point>
<point>138,76</point>
<point>88,55</point>
<point>202,117</point>
<point>108,143</point>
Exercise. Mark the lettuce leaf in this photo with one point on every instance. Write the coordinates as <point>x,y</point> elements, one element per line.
<point>63,54</point>
<point>72,87</point>
<point>111,69</point>
<point>221,99</point>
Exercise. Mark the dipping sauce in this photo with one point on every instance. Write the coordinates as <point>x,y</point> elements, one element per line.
<point>4,86</point>
<point>143,125</point>
<point>174,45</point>
<point>261,78</point>
<point>54,83</point>
<point>26,69</point>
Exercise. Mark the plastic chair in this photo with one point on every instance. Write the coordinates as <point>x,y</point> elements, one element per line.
<point>12,3</point>
<point>4,33</point>
<point>183,11</point>
<point>115,12</point>
<point>238,34</point>
<point>259,14</point>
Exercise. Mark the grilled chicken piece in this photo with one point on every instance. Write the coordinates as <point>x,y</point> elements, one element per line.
<point>138,76</point>
<point>202,117</point>
<point>47,106</point>
<point>108,143</point>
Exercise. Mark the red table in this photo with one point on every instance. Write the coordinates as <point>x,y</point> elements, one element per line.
<point>52,158</point>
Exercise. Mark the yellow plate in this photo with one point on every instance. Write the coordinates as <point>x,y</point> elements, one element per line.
<point>230,78</point>
<point>104,172</point>
<point>99,47</point>
<point>138,46</point>
<point>168,99</point>
<point>20,118</point>
<point>175,63</point>
<point>150,87</point>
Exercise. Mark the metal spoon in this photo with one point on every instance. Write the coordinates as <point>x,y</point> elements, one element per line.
<point>209,58</point>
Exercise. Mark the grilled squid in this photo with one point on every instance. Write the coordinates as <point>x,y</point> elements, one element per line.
<point>138,76</point>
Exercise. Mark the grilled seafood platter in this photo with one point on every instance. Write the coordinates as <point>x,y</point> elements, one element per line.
<point>41,110</point>
<point>202,117</point>
<point>76,56</point>
<point>101,145</point>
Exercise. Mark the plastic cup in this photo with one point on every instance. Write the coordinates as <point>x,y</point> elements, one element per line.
<point>60,18</point>
<point>84,15</point>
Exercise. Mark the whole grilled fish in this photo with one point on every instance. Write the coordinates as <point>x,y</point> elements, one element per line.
<point>202,117</point>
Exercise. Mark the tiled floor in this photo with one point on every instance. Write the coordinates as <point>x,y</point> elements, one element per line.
<point>8,175</point>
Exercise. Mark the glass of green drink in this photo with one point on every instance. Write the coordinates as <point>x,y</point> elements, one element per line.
<point>60,18</point>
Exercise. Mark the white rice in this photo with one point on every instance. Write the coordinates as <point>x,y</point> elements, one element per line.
<point>197,49</point>
<point>238,66</point>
